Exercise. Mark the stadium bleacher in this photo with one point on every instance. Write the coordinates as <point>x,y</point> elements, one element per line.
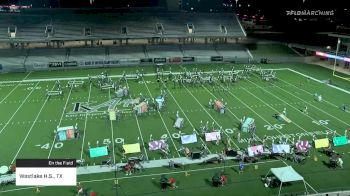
<point>70,27</point>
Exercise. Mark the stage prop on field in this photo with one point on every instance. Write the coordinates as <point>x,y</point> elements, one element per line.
<point>255,150</point>
<point>284,118</point>
<point>122,92</point>
<point>179,123</point>
<point>188,139</point>
<point>141,108</point>
<point>321,143</point>
<point>66,133</point>
<point>212,136</point>
<point>280,148</point>
<point>248,125</point>
<point>160,102</point>
<point>157,145</point>
<point>98,152</point>
<point>132,148</point>
<point>302,146</point>
<point>340,140</point>
<point>219,106</point>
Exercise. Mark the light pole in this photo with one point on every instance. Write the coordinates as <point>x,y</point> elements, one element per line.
<point>336,54</point>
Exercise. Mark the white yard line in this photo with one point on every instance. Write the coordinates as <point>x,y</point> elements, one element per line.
<point>85,123</point>
<point>186,117</point>
<point>59,123</point>
<point>14,88</point>
<point>314,106</point>
<point>289,105</point>
<point>112,129</point>
<point>19,107</point>
<point>139,128</point>
<point>31,128</point>
<point>161,117</point>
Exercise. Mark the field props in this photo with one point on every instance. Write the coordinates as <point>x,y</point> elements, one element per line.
<point>131,148</point>
<point>67,133</point>
<point>98,151</point>
<point>113,112</point>
<point>248,125</point>
<point>255,150</point>
<point>188,139</point>
<point>212,136</point>
<point>340,140</point>
<point>160,101</point>
<point>105,82</point>
<point>141,108</point>
<point>302,147</point>
<point>179,123</point>
<point>219,106</point>
<point>158,145</point>
<point>282,117</point>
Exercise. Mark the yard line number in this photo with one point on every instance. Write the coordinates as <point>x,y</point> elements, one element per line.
<point>33,88</point>
<point>275,126</point>
<point>46,146</point>
<point>320,122</point>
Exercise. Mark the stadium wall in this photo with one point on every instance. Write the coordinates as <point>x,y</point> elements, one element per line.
<point>59,65</point>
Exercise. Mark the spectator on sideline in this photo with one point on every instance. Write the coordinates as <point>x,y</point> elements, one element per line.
<point>241,167</point>
<point>172,183</point>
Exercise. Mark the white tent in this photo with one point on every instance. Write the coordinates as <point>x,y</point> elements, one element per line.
<point>286,174</point>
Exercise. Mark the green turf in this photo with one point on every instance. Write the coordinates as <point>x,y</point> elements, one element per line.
<point>28,119</point>
<point>272,50</point>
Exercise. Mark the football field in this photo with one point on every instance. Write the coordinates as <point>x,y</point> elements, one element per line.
<point>29,118</point>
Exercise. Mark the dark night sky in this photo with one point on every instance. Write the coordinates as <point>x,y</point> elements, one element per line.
<point>271,5</point>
